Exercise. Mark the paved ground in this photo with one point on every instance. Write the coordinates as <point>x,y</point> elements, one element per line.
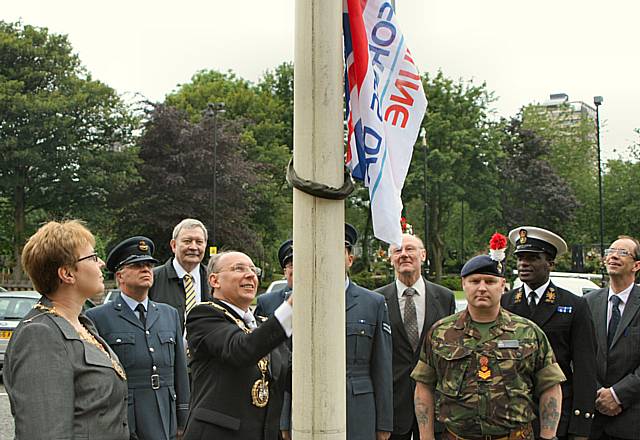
<point>6,421</point>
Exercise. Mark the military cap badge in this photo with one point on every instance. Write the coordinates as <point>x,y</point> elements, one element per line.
<point>143,246</point>
<point>484,372</point>
<point>523,236</point>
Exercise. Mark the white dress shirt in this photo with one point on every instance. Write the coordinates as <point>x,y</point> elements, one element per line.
<point>419,299</point>
<point>538,292</point>
<point>195,274</point>
<point>132,303</point>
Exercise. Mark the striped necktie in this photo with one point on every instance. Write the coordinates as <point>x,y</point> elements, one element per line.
<point>189,293</point>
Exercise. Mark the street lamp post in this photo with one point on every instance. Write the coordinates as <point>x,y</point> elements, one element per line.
<point>213,108</point>
<point>597,100</point>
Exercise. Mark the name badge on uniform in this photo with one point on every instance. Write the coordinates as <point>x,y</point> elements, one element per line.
<point>509,343</point>
<point>565,309</point>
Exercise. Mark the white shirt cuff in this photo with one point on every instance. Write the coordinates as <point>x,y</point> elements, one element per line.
<point>613,393</point>
<point>284,315</point>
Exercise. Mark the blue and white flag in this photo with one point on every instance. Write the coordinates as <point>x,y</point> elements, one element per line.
<point>385,105</point>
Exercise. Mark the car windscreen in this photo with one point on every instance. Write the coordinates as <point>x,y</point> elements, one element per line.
<point>12,307</point>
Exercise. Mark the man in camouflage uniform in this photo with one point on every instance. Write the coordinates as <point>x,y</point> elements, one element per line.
<point>486,365</point>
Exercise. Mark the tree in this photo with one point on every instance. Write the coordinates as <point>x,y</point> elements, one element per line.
<point>65,139</point>
<point>266,112</point>
<point>177,172</point>
<point>462,153</point>
<point>532,192</point>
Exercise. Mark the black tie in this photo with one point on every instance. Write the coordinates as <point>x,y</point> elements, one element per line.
<point>615,319</point>
<point>532,301</point>
<point>143,319</point>
<point>411,317</point>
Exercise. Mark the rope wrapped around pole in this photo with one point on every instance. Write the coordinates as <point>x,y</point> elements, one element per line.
<point>319,189</point>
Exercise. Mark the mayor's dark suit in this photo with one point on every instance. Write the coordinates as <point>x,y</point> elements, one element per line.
<point>620,365</point>
<point>224,369</point>
<point>168,287</point>
<point>158,405</point>
<point>439,302</point>
<point>565,319</point>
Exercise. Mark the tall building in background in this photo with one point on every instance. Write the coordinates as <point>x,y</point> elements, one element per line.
<point>570,113</point>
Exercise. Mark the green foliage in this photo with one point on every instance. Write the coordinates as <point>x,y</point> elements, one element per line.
<point>65,138</point>
<point>462,157</point>
<point>452,282</point>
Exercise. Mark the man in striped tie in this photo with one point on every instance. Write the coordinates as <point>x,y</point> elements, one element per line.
<point>182,280</point>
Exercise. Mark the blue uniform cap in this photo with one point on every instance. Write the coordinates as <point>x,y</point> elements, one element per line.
<point>132,250</point>
<point>350,236</point>
<point>285,253</point>
<point>483,264</point>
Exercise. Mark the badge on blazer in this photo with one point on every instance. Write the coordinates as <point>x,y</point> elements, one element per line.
<point>518,298</point>
<point>484,372</point>
<point>550,296</point>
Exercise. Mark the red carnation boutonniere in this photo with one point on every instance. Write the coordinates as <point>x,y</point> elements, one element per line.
<point>498,246</point>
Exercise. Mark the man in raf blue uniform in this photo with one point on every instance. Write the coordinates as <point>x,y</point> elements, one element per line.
<point>147,337</point>
<point>269,302</point>
<point>369,372</point>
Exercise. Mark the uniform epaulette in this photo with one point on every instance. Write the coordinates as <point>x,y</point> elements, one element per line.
<point>261,318</point>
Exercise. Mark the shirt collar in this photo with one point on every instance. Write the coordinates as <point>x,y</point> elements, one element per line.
<point>132,303</point>
<point>539,291</point>
<point>419,286</point>
<point>236,309</point>
<point>624,295</point>
<point>195,273</point>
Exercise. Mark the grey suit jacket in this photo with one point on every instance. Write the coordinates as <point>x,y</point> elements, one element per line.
<point>619,366</point>
<point>61,387</point>
<point>440,302</point>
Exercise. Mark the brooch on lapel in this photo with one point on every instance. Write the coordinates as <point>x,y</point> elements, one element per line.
<point>518,298</point>
<point>565,309</point>
<point>550,296</point>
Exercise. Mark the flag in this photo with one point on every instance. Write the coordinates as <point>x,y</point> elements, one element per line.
<point>385,106</point>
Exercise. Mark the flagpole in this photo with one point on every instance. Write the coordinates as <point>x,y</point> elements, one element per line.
<point>319,392</point>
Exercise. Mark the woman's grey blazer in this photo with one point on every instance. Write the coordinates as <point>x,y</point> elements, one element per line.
<point>61,387</point>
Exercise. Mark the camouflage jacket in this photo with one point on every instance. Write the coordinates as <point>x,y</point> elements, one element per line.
<point>486,388</point>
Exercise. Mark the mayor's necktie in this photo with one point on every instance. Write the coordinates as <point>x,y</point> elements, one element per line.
<point>411,317</point>
<point>189,292</point>
<point>615,319</point>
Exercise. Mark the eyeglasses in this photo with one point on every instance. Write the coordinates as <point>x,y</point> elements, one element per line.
<point>407,249</point>
<point>620,252</point>
<point>243,268</point>
<point>93,257</point>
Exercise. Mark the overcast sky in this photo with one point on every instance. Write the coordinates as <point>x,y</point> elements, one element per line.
<point>524,51</point>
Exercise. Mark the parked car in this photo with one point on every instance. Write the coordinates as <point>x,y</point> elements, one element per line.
<point>276,285</point>
<point>576,283</point>
<point>13,307</point>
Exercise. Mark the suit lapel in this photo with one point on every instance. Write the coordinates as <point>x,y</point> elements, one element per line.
<point>546,307</point>
<point>351,295</point>
<point>517,303</point>
<point>431,311</point>
<point>394,313</point>
<point>630,310</point>
<point>600,318</point>
<point>152,313</point>
<point>125,312</point>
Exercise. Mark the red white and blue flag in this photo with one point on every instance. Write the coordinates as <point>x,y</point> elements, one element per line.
<point>385,106</point>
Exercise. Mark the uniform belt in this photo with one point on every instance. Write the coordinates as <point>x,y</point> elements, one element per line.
<point>521,433</point>
<point>149,381</point>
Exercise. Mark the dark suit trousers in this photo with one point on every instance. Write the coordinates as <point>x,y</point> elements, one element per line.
<point>415,431</point>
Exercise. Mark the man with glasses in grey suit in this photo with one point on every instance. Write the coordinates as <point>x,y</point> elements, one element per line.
<point>616,316</point>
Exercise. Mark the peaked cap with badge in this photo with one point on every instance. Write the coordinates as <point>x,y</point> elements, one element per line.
<point>285,253</point>
<point>532,239</point>
<point>350,236</point>
<point>132,250</point>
